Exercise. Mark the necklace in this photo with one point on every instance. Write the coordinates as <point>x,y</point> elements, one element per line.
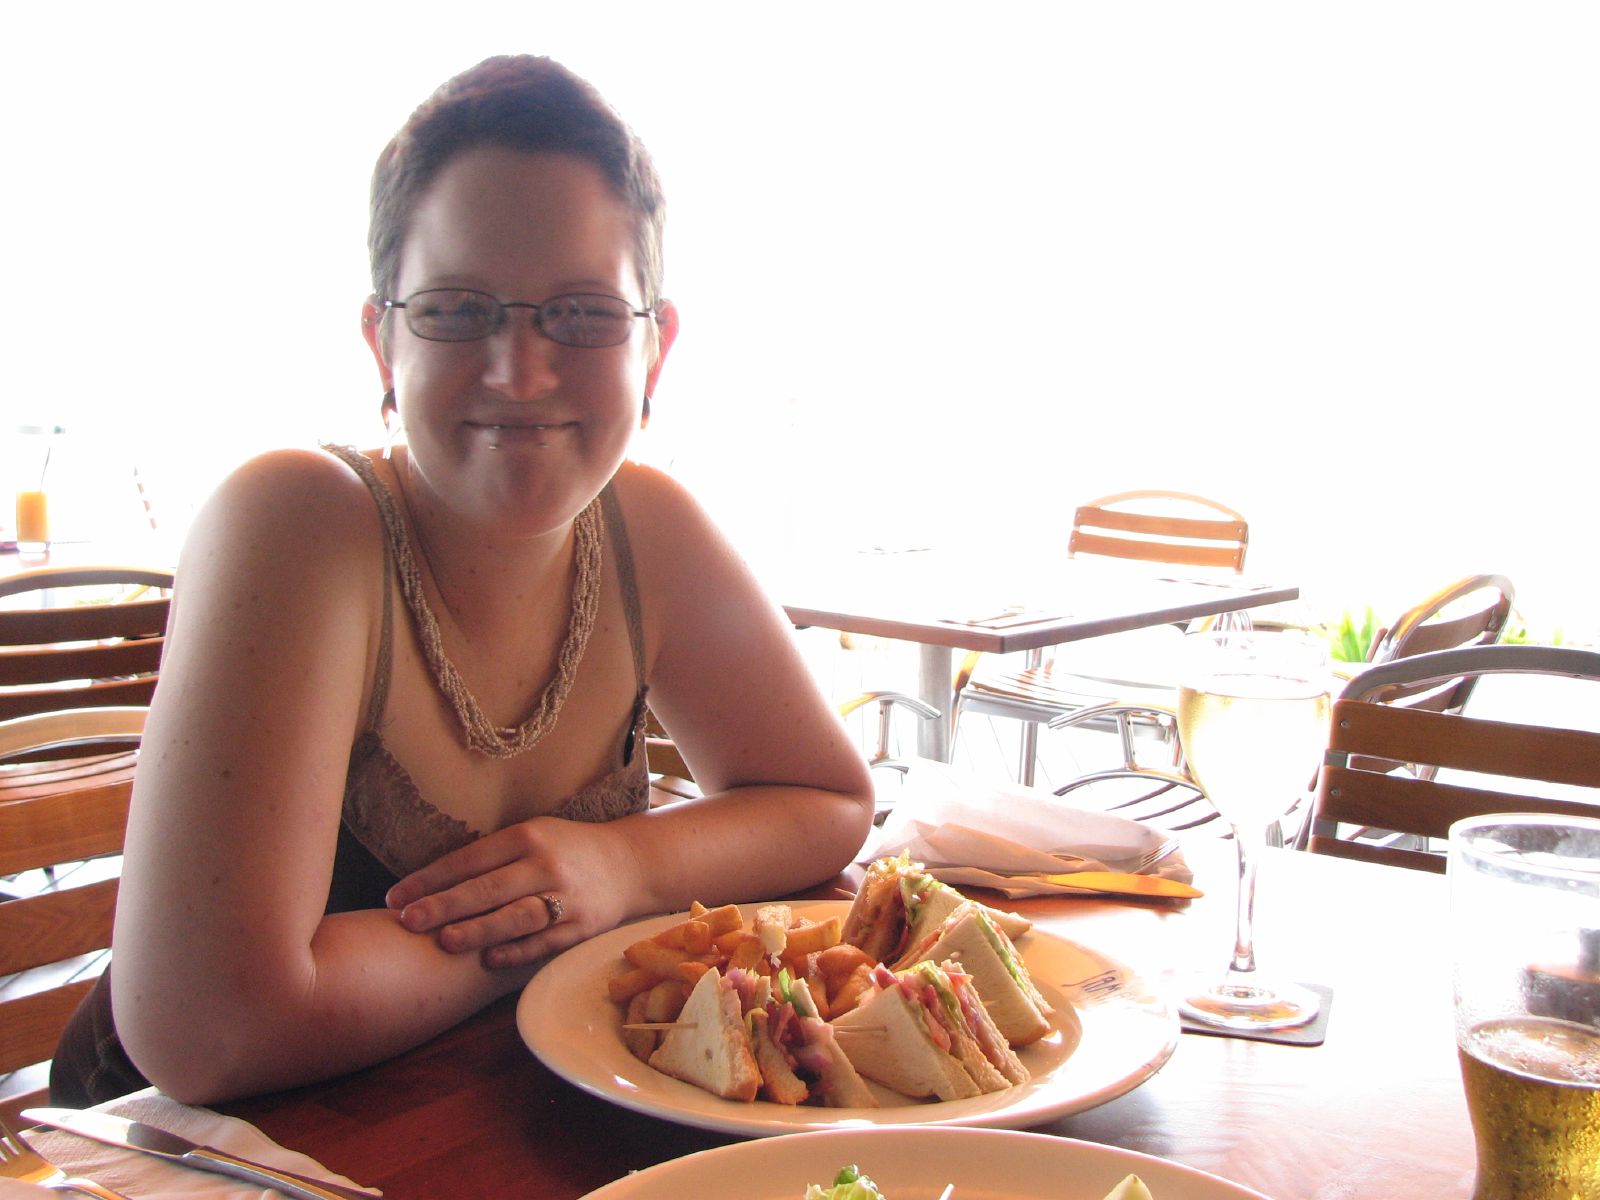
<point>482,734</point>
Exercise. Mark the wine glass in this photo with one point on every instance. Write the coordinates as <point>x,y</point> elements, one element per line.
<point>1253,722</point>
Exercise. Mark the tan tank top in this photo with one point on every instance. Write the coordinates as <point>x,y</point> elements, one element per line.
<point>383,809</point>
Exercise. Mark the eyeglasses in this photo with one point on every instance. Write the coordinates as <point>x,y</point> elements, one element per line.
<point>463,315</point>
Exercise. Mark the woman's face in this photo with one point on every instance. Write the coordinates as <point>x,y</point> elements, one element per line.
<point>516,430</point>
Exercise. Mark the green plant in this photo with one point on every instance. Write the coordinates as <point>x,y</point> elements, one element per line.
<point>1517,633</point>
<point>1350,640</point>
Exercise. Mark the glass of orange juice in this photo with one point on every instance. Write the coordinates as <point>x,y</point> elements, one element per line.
<point>33,521</point>
<point>33,502</point>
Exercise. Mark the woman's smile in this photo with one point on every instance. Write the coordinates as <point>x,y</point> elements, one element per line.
<point>511,432</point>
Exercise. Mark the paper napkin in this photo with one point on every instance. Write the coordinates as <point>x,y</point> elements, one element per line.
<point>141,1176</point>
<point>967,830</point>
<point>15,1189</point>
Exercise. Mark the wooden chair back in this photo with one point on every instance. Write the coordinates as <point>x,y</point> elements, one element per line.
<point>104,651</point>
<point>1469,612</point>
<point>1147,528</point>
<point>670,776</point>
<point>1161,527</point>
<point>58,890</point>
<point>1496,766</point>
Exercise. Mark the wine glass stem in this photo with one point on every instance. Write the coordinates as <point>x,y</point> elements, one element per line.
<point>1250,841</point>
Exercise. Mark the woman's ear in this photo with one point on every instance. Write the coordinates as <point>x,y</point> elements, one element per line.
<point>666,334</point>
<point>372,329</point>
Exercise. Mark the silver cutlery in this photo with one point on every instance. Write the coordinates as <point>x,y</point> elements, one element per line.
<point>20,1161</point>
<point>148,1139</point>
<point>1137,865</point>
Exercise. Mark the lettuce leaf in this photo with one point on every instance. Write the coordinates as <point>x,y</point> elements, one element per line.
<point>848,1184</point>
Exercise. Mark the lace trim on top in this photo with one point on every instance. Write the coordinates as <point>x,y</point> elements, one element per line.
<point>403,831</point>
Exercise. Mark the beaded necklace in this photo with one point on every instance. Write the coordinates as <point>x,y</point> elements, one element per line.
<point>482,734</point>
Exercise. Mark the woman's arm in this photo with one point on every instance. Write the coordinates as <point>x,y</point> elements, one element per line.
<point>229,979</point>
<point>788,798</point>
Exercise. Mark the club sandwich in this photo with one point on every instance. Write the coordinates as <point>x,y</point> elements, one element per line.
<point>925,1034</point>
<point>738,1038</point>
<point>797,1053</point>
<point>898,901</point>
<point>969,936</point>
<point>709,1046</point>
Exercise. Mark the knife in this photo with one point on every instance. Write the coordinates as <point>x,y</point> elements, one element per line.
<point>1124,884</point>
<point>147,1139</point>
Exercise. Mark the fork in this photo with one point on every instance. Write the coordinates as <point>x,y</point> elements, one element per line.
<point>1151,857</point>
<point>1135,866</point>
<point>19,1161</point>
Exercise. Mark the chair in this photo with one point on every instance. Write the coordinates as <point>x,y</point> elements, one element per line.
<point>73,729</point>
<point>1491,766</point>
<point>59,891</point>
<point>1142,528</point>
<point>1472,611</point>
<point>80,649</point>
<point>1469,612</point>
<point>95,639</point>
<point>1167,795</point>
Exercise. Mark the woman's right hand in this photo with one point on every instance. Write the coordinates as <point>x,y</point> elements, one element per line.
<point>489,895</point>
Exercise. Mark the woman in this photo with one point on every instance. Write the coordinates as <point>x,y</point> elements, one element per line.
<point>351,829</point>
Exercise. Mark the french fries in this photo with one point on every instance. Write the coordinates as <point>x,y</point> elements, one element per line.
<point>641,1043</point>
<point>808,937</point>
<point>663,968</point>
<point>665,1001</point>
<point>623,988</point>
<point>653,956</point>
<point>856,985</point>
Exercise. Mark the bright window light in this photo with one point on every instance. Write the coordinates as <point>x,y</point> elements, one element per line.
<point>945,270</point>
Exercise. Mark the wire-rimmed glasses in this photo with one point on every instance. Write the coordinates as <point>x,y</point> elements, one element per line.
<point>588,320</point>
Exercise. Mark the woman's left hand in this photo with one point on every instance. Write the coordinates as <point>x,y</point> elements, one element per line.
<point>521,893</point>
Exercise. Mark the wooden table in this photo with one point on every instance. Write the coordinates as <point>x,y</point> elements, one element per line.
<point>155,552</point>
<point>933,599</point>
<point>1376,1111</point>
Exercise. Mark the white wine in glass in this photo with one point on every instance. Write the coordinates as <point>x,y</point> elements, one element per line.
<point>1253,722</point>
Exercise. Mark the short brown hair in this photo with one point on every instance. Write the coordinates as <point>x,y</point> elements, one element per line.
<point>520,102</point>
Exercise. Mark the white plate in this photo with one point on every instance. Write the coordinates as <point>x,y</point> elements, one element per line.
<point>916,1164</point>
<point>567,1020</point>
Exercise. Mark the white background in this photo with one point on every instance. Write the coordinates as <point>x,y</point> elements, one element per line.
<point>945,270</point>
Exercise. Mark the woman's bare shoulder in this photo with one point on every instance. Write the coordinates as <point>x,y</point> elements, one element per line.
<point>649,496</point>
<point>303,494</point>
<point>294,480</point>
<point>298,514</point>
<point>664,520</point>
<point>681,556</point>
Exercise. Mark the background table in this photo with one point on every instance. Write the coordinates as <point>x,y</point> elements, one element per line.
<point>932,599</point>
<point>1377,1110</point>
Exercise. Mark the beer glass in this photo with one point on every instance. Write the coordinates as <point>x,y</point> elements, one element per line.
<point>1525,928</point>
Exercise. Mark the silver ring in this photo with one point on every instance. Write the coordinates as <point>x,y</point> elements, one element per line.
<point>552,907</point>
